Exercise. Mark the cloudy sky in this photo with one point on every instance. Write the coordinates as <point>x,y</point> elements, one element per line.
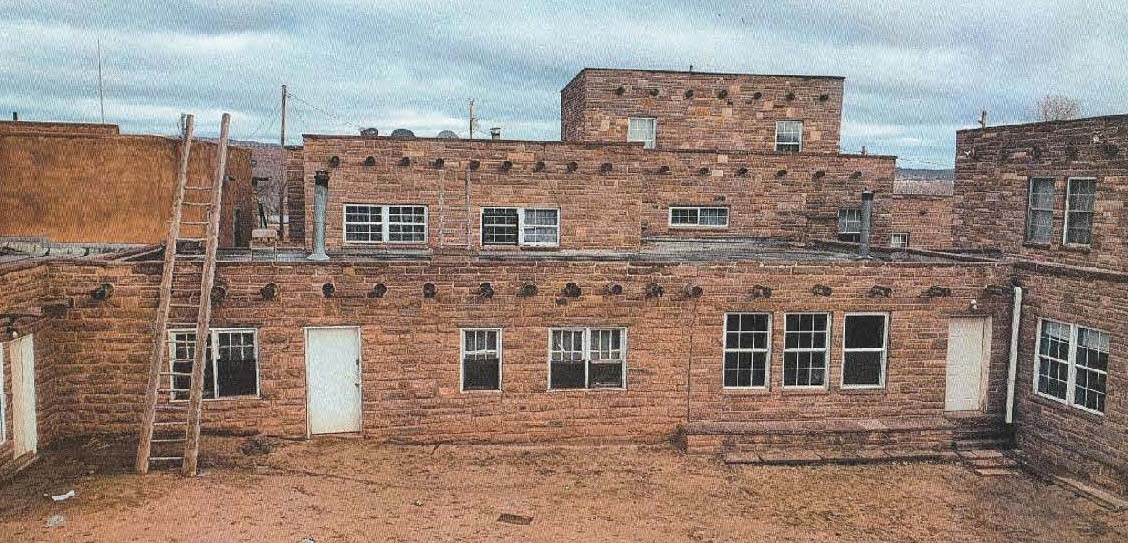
<point>914,74</point>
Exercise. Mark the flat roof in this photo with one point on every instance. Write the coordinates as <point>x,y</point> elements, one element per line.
<point>1116,117</point>
<point>695,72</point>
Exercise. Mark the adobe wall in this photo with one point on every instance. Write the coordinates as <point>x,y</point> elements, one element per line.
<point>993,169</point>
<point>1061,437</point>
<point>92,188</point>
<point>725,111</point>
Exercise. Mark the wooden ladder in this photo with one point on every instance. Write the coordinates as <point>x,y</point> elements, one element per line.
<point>170,427</point>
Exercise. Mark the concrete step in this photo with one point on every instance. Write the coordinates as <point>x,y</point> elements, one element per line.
<point>997,472</point>
<point>1001,443</point>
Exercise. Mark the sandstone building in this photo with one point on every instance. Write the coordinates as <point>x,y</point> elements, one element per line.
<point>695,260</point>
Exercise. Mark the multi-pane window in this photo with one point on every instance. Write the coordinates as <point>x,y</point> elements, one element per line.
<point>230,366</point>
<point>520,226</point>
<point>864,349</point>
<point>1040,210</point>
<point>644,129</point>
<point>850,225</point>
<point>747,346</point>
<point>789,136</point>
<point>587,358</point>
<point>1079,198</point>
<point>481,359</point>
<point>708,217</point>
<point>805,349</point>
<point>366,223</point>
<point>899,240</point>
<point>1072,365</point>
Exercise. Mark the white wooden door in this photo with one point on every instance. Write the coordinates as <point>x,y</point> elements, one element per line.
<point>24,430</point>
<point>333,376</point>
<point>969,348</point>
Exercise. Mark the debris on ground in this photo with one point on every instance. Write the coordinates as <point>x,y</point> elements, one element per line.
<point>257,446</point>
<point>510,518</point>
<point>61,497</point>
<point>56,521</point>
<point>417,503</point>
<point>309,539</point>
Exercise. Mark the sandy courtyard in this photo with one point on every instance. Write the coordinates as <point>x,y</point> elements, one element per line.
<point>352,490</point>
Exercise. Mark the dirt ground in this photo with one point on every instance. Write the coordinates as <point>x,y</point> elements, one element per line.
<point>354,490</point>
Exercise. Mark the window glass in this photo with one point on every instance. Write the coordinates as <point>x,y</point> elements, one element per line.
<point>850,225</point>
<point>864,350</point>
<point>805,349</point>
<point>643,129</point>
<point>1091,377</point>
<point>1040,211</point>
<point>407,224</point>
<point>481,359</point>
<point>1079,211</point>
<point>789,136</point>
<point>542,227</point>
<point>363,223</point>
<point>587,358</point>
<point>747,339</point>
<point>899,240</point>
<point>233,373</point>
<point>1053,359</point>
<point>499,226</point>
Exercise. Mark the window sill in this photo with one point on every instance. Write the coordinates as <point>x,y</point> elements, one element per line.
<point>481,391</point>
<point>862,389</point>
<point>681,228</point>
<point>746,391</point>
<point>224,399</point>
<point>1037,245</point>
<point>804,391</point>
<point>1049,401</point>
<point>1076,248</point>
<point>600,389</point>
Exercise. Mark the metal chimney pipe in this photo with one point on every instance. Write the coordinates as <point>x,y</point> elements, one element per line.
<point>867,215</point>
<point>320,202</point>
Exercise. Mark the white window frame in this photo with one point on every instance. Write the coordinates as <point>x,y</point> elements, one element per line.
<point>1030,210</point>
<point>647,143</point>
<point>884,350</point>
<point>214,332</point>
<point>826,350</point>
<point>462,359</point>
<point>385,223</point>
<point>3,398</point>
<point>1068,211</point>
<point>670,217</point>
<point>899,245</point>
<point>725,349</point>
<point>521,241</point>
<point>1071,364</point>
<point>841,223</point>
<point>587,356</point>
<point>778,143</point>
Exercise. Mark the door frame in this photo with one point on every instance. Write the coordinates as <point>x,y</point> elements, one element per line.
<point>17,406</point>
<point>359,370</point>
<point>986,346</point>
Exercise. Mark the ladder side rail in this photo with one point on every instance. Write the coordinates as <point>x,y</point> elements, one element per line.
<point>195,401</point>
<point>160,334</point>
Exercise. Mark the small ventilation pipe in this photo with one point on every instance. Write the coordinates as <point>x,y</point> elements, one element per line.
<point>320,201</point>
<point>867,215</point>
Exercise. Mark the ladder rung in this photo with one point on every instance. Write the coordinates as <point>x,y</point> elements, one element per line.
<point>195,240</point>
<point>170,407</point>
<point>196,187</point>
<point>169,440</point>
<point>165,390</point>
<point>194,223</point>
<point>165,458</point>
<point>196,203</point>
<point>171,423</point>
<point>184,305</point>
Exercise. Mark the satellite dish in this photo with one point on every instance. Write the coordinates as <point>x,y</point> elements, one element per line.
<point>448,135</point>
<point>403,133</point>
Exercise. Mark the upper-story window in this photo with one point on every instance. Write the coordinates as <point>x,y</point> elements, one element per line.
<point>366,223</point>
<point>1079,198</point>
<point>1040,211</point>
<point>789,136</point>
<point>644,129</point>
<point>536,227</point>
<point>899,240</point>
<point>705,217</point>
<point>850,225</point>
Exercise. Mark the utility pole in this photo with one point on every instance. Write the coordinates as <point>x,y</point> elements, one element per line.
<point>472,119</point>
<point>282,182</point>
<point>101,95</point>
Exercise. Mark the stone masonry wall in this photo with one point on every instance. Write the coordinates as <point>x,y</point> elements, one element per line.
<point>410,344</point>
<point>993,171</point>
<point>1058,436</point>
<point>926,218</point>
<point>724,111</point>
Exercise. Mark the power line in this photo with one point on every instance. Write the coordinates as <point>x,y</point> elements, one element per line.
<point>322,111</point>
<point>264,122</point>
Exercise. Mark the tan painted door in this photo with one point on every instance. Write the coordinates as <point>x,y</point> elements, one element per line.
<point>969,348</point>
<point>24,430</point>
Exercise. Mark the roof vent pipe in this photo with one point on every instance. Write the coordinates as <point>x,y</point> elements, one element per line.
<point>495,133</point>
<point>320,201</point>
<point>867,215</point>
